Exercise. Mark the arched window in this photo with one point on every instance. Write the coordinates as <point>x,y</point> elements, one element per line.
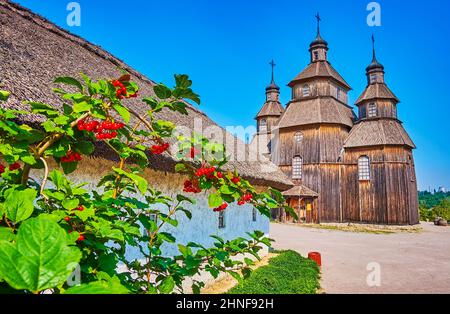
<point>316,55</point>
<point>364,168</point>
<point>362,112</point>
<point>298,137</point>
<point>297,165</point>
<point>372,110</point>
<point>263,126</point>
<point>373,78</point>
<point>305,90</point>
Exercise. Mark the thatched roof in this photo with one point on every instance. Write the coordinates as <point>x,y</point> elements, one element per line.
<point>377,91</point>
<point>317,110</point>
<point>378,132</point>
<point>271,108</point>
<point>33,51</point>
<point>319,69</point>
<point>300,191</point>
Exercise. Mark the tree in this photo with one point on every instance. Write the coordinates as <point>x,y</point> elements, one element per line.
<point>45,232</point>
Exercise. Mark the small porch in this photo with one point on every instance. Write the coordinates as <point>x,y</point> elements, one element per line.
<point>303,201</point>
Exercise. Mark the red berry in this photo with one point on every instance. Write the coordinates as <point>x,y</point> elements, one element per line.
<point>2,169</point>
<point>219,175</point>
<point>67,219</point>
<point>14,166</point>
<point>236,180</point>
<point>221,207</point>
<point>80,238</point>
<point>80,208</point>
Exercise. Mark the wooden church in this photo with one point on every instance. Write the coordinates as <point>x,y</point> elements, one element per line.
<point>346,167</point>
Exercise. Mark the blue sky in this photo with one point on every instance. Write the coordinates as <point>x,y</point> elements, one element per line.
<point>225,46</point>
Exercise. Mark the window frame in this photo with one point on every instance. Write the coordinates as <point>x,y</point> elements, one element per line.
<point>306,90</point>
<point>263,126</point>
<point>297,168</point>
<point>372,110</point>
<point>298,137</point>
<point>364,171</point>
<point>222,222</point>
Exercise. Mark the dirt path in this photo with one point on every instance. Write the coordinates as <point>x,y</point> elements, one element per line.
<point>408,262</point>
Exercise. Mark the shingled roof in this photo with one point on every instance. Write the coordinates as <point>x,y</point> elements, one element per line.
<point>377,91</point>
<point>271,108</point>
<point>378,132</point>
<point>317,110</point>
<point>300,191</point>
<point>319,69</point>
<point>33,51</point>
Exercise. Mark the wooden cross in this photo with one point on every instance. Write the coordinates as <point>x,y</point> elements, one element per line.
<point>318,21</point>
<point>272,63</point>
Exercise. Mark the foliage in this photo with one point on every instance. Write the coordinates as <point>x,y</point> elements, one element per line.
<point>434,205</point>
<point>287,273</point>
<point>429,200</point>
<point>47,230</point>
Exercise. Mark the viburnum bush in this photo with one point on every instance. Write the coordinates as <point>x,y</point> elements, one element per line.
<point>52,228</point>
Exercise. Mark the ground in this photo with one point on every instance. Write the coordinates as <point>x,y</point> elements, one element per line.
<point>416,262</point>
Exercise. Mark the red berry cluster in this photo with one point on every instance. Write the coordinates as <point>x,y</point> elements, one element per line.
<point>206,172</point>
<point>100,128</point>
<point>160,148</point>
<point>245,199</point>
<point>121,90</point>
<point>191,187</point>
<point>221,207</point>
<point>71,157</point>
<point>12,167</point>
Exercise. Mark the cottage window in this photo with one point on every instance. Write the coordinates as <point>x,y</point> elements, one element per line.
<point>373,78</point>
<point>306,91</point>
<point>297,165</point>
<point>222,220</point>
<point>263,126</point>
<point>372,110</point>
<point>254,214</point>
<point>298,137</point>
<point>364,168</point>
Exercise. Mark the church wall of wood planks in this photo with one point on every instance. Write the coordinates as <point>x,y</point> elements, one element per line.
<point>347,167</point>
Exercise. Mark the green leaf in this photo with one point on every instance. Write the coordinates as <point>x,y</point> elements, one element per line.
<point>70,204</point>
<point>19,204</point>
<point>182,81</point>
<point>124,113</point>
<point>69,81</point>
<point>82,107</point>
<point>215,200</point>
<point>162,91</point>
<point>85,147</point>
<point>167,285</point>
<point>40,259</point>
<point>99,287</point>
<point>139,181</point>
<point>4,95</point>
<point>6,234</point>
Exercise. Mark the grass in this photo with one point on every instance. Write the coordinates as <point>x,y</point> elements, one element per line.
<point>287,273</point>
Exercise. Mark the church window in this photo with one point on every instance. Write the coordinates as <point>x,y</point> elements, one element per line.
<point>372,110</point>
<point>297,165</point>
<point>222,220</point>
<point>373,78</point>
<point>305,90</point>
<point>263,126</point>
<point>362,112</point>
<point>412,173</point>
<point>298,137</point>
<point>316,55</point>
<point>254,214</point>
<point>364,168</point>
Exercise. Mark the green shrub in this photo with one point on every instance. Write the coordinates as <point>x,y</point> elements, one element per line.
<point>288,273</point>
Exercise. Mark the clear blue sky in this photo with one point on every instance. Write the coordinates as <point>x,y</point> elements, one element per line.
<point>225,46</point>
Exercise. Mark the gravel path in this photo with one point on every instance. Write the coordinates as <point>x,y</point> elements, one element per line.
<point>408,262</point>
